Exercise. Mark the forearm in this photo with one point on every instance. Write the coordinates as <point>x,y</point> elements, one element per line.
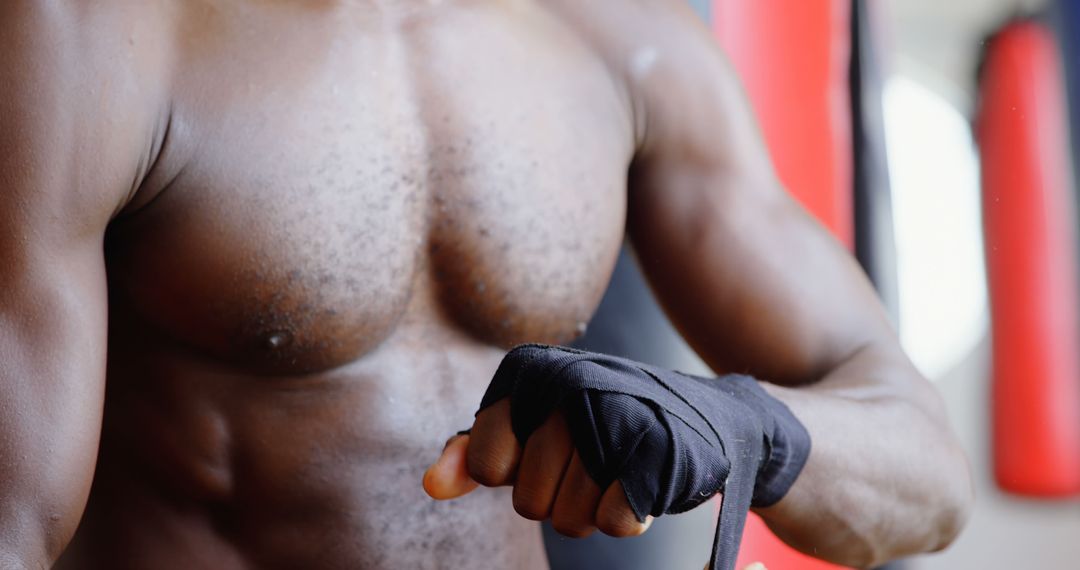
<point>885,477</point>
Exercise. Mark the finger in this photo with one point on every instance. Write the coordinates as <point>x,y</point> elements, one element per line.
<point>756,566</point>
<point>615,517</point>
<point>544,462</point>
<point>575,507</point>
<point>493,453</point>
<point>448,477</point>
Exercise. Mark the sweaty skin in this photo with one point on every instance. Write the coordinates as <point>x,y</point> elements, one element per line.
<point>262,258</point>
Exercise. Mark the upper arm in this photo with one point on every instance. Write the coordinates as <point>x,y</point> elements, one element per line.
<point>753,283</point>
<point>64,171</point>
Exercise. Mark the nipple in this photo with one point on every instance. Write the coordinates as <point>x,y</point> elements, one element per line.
<point>278,340</point>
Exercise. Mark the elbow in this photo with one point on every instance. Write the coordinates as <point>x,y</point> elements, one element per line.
<point>943,494</point>
<point>949,530</point>
<point>957,501</point>
<point>946,523</point>
<point>948,476</point>
<point>937,514</point>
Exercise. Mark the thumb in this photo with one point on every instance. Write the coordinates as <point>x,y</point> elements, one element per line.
<point>449,478</point>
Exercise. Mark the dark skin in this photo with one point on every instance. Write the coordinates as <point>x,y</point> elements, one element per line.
<point>262,258</point>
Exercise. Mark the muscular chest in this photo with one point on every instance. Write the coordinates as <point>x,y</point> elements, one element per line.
<point>317,187</point>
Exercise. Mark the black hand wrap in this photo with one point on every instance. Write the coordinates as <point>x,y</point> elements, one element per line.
<point>672,440</point>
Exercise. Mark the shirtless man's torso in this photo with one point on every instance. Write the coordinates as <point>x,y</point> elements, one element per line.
<point>349,209</point>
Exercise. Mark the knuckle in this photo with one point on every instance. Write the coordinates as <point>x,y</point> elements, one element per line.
<point>529,504</point>
<point>617,522</point>
<point>570,529</point>
<point>571,523</point>
<point>488,469</point>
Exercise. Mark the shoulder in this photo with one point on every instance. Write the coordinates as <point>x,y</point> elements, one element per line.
<point>661,51</point>
<point>638,36</point>
<point>80,84</point>
<point>83,40</point>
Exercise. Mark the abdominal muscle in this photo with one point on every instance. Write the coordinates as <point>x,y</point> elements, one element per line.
<point>203,468</point>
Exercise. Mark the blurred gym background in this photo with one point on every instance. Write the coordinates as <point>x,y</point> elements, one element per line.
<point>937,48</point>
<point>932,136</point>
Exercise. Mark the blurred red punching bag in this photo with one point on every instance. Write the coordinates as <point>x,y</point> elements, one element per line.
<point>1031,256</point>
<point>793,58</point>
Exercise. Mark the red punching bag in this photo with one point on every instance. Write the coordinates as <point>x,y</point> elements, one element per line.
<point>1031,255</point>
<point>794,58</point>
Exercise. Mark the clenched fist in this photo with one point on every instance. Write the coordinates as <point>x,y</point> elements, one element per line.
<point>548,476</point>
<point>594,441</point>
